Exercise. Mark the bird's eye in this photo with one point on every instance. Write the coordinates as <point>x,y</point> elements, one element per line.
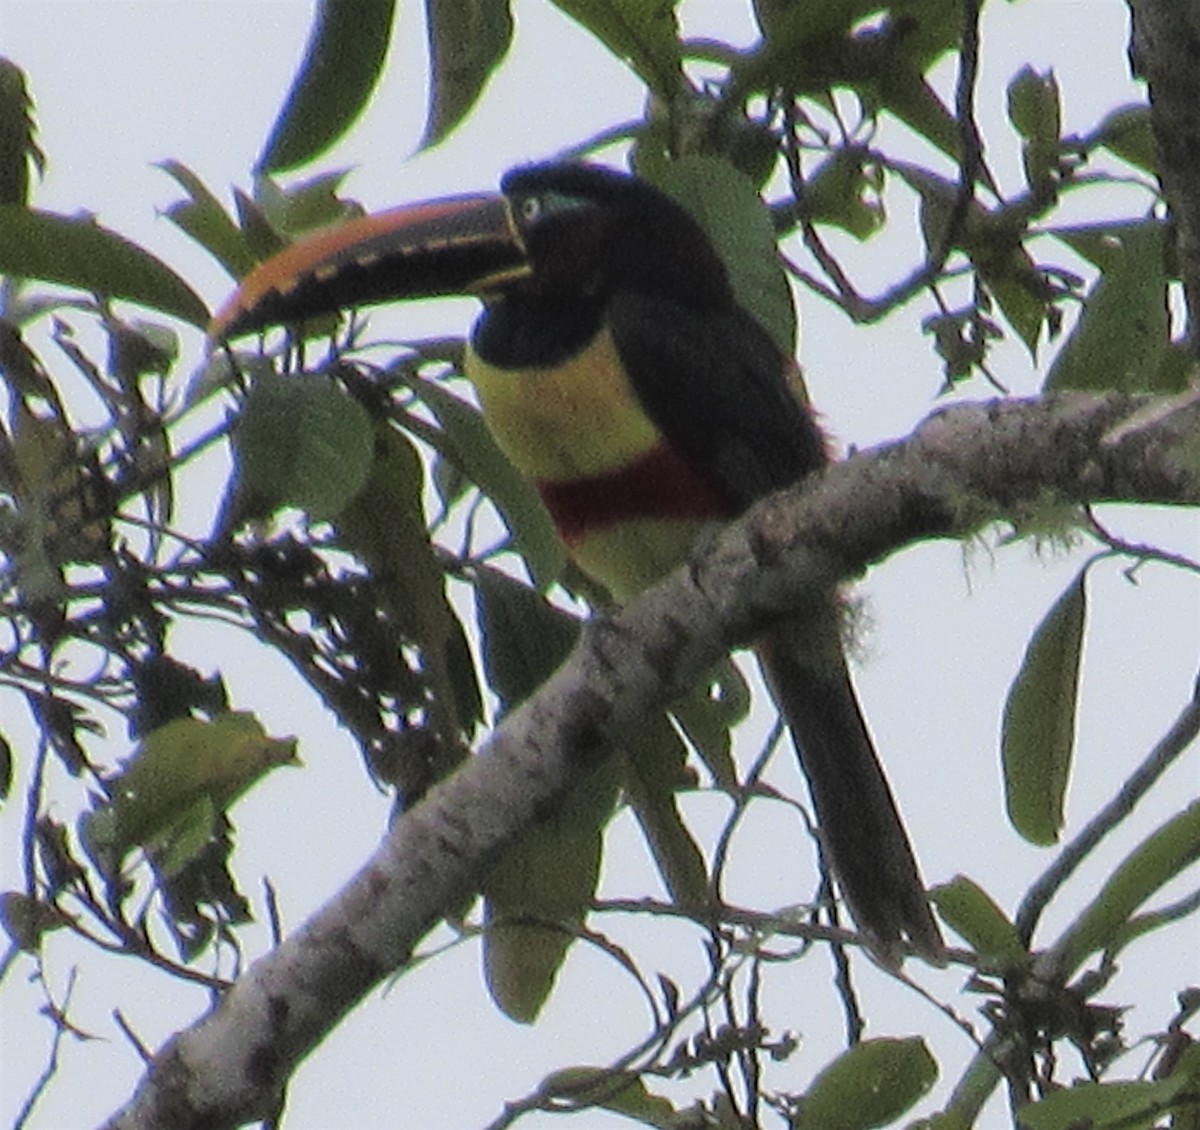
<point>531,209</point>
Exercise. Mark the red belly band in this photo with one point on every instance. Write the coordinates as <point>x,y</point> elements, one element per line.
<point>660,484</point>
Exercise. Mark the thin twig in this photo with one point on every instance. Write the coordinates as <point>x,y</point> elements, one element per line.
<point>1182,733</point>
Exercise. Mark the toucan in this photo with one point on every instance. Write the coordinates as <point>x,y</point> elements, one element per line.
<point>617,370</point>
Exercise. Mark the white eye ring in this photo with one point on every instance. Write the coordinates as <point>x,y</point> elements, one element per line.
<point>531,208</point>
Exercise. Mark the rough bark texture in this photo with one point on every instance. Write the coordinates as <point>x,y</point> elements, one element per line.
<point>1165,51</point>
<point>966,466</point>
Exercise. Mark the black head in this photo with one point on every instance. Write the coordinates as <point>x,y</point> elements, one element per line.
<point>590,229</point>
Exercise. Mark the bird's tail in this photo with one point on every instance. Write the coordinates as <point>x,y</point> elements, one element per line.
<point>861,831</point>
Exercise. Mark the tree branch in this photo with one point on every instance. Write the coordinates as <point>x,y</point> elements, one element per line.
<point>966,466</point>
<point>1165,49</point>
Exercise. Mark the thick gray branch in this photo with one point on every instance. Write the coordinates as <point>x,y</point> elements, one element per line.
<point>964,467</point>
<point>1165,50</point>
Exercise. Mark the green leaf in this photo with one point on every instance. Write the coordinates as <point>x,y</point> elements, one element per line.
<point>870,1085</point>
<point>488,467</point>
<point>927,29</point>
<point>384,526</point>
<point>342,63</point>
<point>185,838</point>
<point>1122,334</point>
<point>6,767</point>
<point>467,40</point>
<point>1035,106</point>
<point>846,191</point>
<point>1154,862</point>
<point>262,239</point>
<point>944,1120</point>
<point>970,911</point>
<point>937,195</point>
<point>1020,292</point>
<point>1175,369</point>
<point>642,33</point>
<point>724,202</point>
<point>655,770</point>
<point>1127,133</point>
<point>537,897</point>
<point>301,441</point>
<point>1035,110</point>
<point>1038,734</point>
<point>175,767</point>
<point>202,217</point>
<point>708,714</point>
<point>1129,1105</point>
<point>525,639</point>
<point>812,20</point>
<point>305,206</point>
<point>620,1091</point>
<point>907,95</point>
<point>27,920</point>
<point>18,150</point>
<point>79,253</point>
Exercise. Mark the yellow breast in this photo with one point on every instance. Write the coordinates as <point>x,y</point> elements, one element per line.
<point>579,418</point>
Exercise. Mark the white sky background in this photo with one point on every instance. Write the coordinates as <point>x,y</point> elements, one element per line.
<point>121,85</point>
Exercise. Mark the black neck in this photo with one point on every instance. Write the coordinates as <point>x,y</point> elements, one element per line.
<point>524,330</point>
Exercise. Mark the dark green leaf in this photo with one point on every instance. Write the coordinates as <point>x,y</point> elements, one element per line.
<point>906,94</point>
<point>301,441</point>
<point>6,767</point>
<point>1038,736</point>
<point>383,525</point>
<point>1122,333</point>
<point>643,33</point>
<point>1155,861</point>
<point>18,150</point>
<point>176,767</point>
<point>970,911</point>
<point>926,29</point>
<point>846,191</point>
<point>305,206</point>
<point>708,714</point>
<point>80,253</point>
<point>342,63</point>
<point>655,770</point>
<point>537,897</point>
<point>1035,110</point>
<point>462,680</point>
<point>1129,1105</point>
<point>184,840</point>
<point>525,639</point>
<point>1035,106</point>
<point>813,20</point>
<point>870,1085</point>
<point>449,482</point>
<point>1175,369</point>
<point>1127,132</point>
<point>262,239</point>
<point>467,40</point>
<point>951,1119</point>
<point>937,195</point>
<point>619,1091</point>
<point>737,221</point>
<point>1020,292</point>
<point>26,920</point>
<point>203,218</point>
<point>487,466</point>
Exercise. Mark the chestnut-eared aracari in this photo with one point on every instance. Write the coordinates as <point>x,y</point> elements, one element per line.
<point>616,369</point>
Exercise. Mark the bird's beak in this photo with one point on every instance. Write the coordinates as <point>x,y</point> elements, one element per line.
<point>460,245</point>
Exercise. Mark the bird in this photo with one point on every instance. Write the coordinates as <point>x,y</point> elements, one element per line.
<point>618,371</point>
